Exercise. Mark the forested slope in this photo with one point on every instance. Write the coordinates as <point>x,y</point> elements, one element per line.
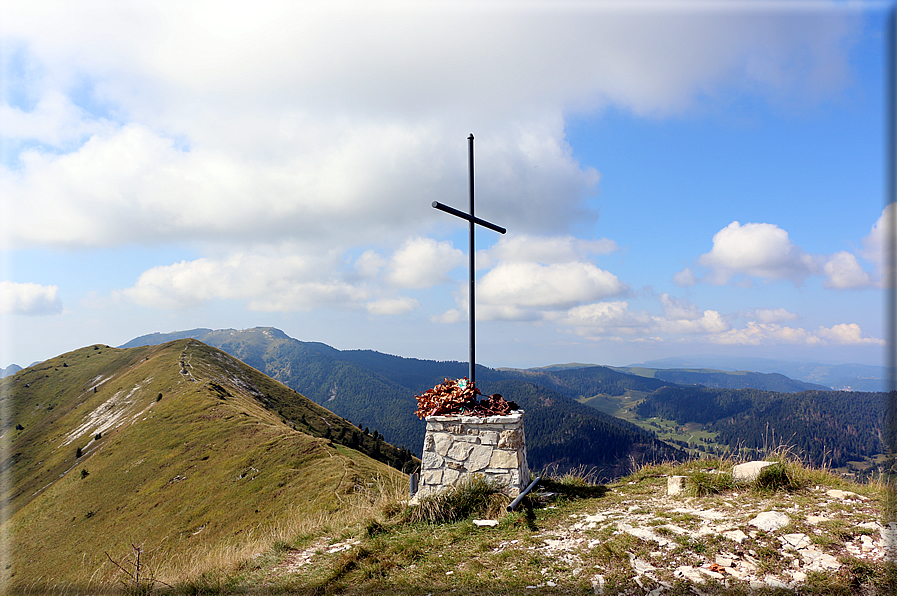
<point>824,427</point>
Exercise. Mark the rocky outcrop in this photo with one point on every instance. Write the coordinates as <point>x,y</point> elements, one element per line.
<point>772,541</point>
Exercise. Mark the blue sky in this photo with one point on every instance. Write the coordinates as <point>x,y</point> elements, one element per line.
<point>676,177</point>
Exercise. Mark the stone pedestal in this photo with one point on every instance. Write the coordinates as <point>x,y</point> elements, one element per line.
<point>459,446</point>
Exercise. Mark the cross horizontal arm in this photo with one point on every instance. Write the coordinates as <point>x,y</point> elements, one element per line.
<point>467,216</point>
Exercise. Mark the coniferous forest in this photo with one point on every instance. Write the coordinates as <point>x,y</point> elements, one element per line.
<point>822,427</point>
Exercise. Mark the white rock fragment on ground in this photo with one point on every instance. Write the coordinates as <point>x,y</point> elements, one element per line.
<point>642,534</point>
<point>816,560</point>
<point>725,560</point>
<point>341,546</point>
<point>889,540</point>
<point>843,494</point>
<point>770,521</point>
<point>749,471</point>
<point>710,573</point>
<point>735,536</point>
<point>774,582</point>
<point>795,541</point>
<point>641,566</point>
<point>491,523</point>
<point>690,573</point>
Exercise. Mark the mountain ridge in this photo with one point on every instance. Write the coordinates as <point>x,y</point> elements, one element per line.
<point>177,447</point>
<point>377,390</point>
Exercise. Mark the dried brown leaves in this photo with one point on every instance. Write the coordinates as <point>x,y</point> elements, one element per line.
<point>450,399</point>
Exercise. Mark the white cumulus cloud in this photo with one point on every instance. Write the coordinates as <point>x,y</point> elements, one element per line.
<point>547,249</point>
<point>29,299</point>
<point>769,315</point>
<point>848,334</point>
<point>266,282</point>
<point>771,333</point>
<point>423,262</point>
<point>843,271</point>
<point>606,318</point>
<point>392,306</point>
<point>759,250</point>
<point>547,286</point>
<point>151,122</point>
<point>685,278</point>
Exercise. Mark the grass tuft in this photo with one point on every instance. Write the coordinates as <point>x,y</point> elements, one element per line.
<point>474,496</point>
<point>703,483</point>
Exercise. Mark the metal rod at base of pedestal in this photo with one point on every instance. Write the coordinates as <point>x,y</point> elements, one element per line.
<point>525,492</point>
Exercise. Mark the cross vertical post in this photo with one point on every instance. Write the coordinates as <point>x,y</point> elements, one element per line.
<point>474,221</point>
<point>471,268</point>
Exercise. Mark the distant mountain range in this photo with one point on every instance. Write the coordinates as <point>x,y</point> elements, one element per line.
<point>377,390</point>
<point>577,415</point>
<point>9,370</point>
<point>847,377</point>
<point>725,379</point>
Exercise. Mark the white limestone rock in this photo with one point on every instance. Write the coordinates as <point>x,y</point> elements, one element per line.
<point>749,471</point>
<point>770,521</point>
<point>735,536</point>
<point>795,541</point>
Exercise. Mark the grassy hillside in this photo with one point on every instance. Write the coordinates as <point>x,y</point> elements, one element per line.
<point>178,448</point>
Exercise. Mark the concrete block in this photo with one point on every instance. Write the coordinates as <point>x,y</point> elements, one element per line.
<point>675,485</point>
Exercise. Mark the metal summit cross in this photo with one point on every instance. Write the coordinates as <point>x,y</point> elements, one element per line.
<point>473,222</point>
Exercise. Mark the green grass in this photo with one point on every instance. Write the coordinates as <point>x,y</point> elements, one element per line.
<point>202,477</point>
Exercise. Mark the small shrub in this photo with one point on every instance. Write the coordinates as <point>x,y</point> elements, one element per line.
<point>474,496</point>
<point>78,453</point>
<point>702,483</point>
<point>84,473</point>
<point>773,478</point>
<point>159,397</point>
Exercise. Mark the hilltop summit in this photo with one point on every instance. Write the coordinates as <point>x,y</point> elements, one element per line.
<point>179,447</point>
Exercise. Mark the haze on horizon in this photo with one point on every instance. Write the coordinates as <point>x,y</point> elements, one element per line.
<point>676,178</point>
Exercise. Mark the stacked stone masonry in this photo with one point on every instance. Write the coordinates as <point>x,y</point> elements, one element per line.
<point>459,446</point>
